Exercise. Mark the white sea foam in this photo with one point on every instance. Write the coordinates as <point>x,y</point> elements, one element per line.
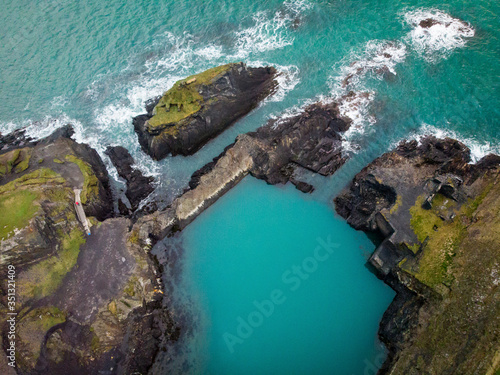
<point>297,6</point>
<point>478,148</point>
<point>350,89</point>
<point>435,34</point>
<point>267,34</point>
<point>270,32</point>
<point>287,78</point>
<point>377,59</point>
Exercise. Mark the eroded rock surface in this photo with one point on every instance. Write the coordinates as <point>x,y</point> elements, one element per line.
<point>138,185</point>
<point>311,139</point>
<point>199,107</point>
<point>439,218</point>
<point>86,304</point>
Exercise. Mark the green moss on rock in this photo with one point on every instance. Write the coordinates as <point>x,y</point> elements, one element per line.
<point>16,161</point>
<point>17,209</point>
<point>91,183</point>
<point>183,99</point>
<point>45,277</point>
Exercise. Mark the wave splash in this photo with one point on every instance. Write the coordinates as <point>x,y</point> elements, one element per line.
<point>270,33</point>
<point>478,149</point>
<point>435,34</point>
<point>349,88</point>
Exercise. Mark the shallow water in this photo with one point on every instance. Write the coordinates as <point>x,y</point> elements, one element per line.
<point>94,64</point>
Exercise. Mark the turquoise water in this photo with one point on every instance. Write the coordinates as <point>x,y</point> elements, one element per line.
<point>293,273</point>
<point>94,63</point>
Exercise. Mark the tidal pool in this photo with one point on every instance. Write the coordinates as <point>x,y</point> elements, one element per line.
<point>278,284</point>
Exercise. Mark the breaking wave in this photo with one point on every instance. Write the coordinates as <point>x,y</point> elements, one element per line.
<point>435,34</point>
<point>350,89</point>
<point>478,149</point>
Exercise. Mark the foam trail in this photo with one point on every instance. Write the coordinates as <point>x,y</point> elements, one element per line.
<point>270,33</point>
<point>435,34</point>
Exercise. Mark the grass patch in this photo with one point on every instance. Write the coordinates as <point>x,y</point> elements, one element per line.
<point>443,238</point>
<point>91,183</point>
<point>396,205</point>
<point>45,277</point>
<point>183,99</point>
<point>423,221</point>
<point>17,208</point>
<point>15,161</point>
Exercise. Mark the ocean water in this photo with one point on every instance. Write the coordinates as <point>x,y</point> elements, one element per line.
<point>94,63</point>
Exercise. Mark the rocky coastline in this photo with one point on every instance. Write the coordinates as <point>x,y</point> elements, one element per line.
<point>95,304</point>
<point>86,304</point>
<point>437,216</point>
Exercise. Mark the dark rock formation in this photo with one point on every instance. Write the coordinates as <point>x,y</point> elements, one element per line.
<point>13,140</point>
<point>432,208</point>
<point>200,107</point>
<point>86,304</point>
<point>138,185</point>
<point>310,140</point>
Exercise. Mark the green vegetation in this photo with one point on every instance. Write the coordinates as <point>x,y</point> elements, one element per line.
<point>130,287</point>
<point>465,320</point>
<point>58,161</point>
<point>134,237</point>
<point>50,316</point>
<point>443,239</point>
<point>18,199</point>
<point>41,176</point>
<point>34,325</point>
<point>15,161</point>
<point>45,277</point>
<point>17,209</point>
<point>183,99</point>
<point>91,182</point>
<point>94,343</point>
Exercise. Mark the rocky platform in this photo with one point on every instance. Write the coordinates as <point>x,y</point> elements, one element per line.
<point>438,219</point>
<point>199,107</point>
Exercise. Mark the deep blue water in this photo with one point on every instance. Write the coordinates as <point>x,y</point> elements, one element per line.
<point>94,63</point>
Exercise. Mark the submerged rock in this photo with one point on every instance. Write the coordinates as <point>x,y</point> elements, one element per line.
<point>198,108</point>
<point>438,218</point>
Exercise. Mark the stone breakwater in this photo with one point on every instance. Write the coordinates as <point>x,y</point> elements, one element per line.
<point>100,296</point>
<point>310,140</point>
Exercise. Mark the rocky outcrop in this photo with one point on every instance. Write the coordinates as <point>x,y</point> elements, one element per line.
<point>437,217</point>
<point>198,108</point>
<point>138,185</point>
<point>85,304</point>
<point>310,140</point>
